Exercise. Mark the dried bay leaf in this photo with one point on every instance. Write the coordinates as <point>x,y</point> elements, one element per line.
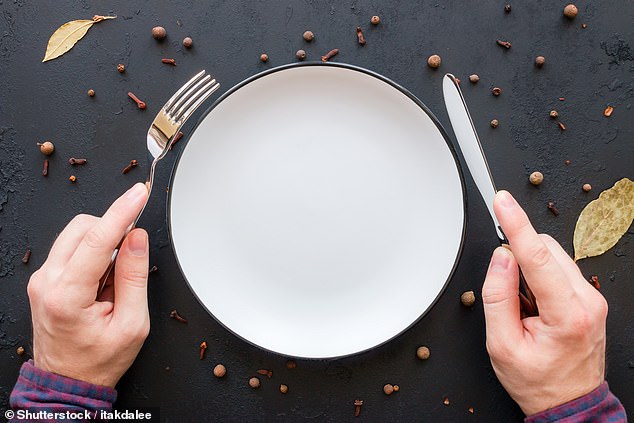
<point>604,221</point>
<point>67,35</point>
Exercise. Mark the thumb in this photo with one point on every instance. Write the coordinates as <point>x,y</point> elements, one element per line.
<point>500,297</point>
<point>130,279</point>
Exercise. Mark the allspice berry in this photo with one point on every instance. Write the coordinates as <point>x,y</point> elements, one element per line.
<point>423,353</point>
<point>187,42</point>
<point>264,57</point>
<point>220,371</point>
<point>587,187</point>
<point>474,78</point>
<point>283,388</point>
<point>496,91</point>
<point>46,148</point>
<point>20,350</point>
<point>300,55</point>
<point>388,389</point>
<point>375,20</point>
<point>91,93</point>
<point>553,114</point>
<point>539,61</point>
<point>159,33</point>
<point>494,123</point>
<point>536,178</point>
<point>254,383</point>
<point>467,298</point>
<point>121,67</point>
<point>309,36</point>
<point>570,11</point>
<point>434,61</point>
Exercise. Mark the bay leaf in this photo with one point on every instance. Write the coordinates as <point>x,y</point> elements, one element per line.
<point>67,35</point>
<point>604,221</point>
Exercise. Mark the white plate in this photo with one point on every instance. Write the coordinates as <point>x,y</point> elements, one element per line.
<point>317,210</point>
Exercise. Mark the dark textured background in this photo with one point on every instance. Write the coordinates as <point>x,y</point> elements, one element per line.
<point>590,67</point>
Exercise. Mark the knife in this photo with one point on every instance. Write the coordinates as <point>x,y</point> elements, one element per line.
<point>473,154</point>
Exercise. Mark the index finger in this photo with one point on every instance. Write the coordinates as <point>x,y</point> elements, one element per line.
<point>94,252</point>
<point>548,281</point>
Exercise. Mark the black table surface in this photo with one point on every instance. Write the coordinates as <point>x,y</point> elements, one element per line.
<point>589,68</point>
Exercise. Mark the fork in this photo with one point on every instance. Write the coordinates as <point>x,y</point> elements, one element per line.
<point>160,136</point>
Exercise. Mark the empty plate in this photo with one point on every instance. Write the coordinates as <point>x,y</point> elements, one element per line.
<point>317,210</point>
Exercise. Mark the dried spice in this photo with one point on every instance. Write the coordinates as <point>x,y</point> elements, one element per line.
<point>505,44</point>
<point>140,104</point>
<point>423,353</point>
<point>553,114</point>
<point>360,36</point>
<point>474,78</point>
<point>308,36</point>
<point>203,348</point>
<point>220,371</point>
<point>72,178</point>
<point>446,401</point>
<point>536,178</point>
<point>357,407</point>
<point>586,187</point>
<point>570,11</point>
<point>375,20</point>
<point>27,256</point>
<point>133,163</point>
<point>91,93</point>
<point>561,126</point>
<point>332,53</point>
<point>552,208</point>
<point>539,61</point>
<point>290,364</point>
<point>45,168</point>
<point>254,382</point>
<point>507,8</point>
<point>159,33</point>
<point>188,42</point>
<point>496,91</point>
<point>594,281</point>
<point>468,298</point>
<point>67,35</point>
<point>153,269</point>
<point>604,221</point>
<point>265,372</point>
<point>300,55</point>
<point>120,68</point>
<point>494,123</point>
<point>20,350</point>
<point>471,410</point>
<point>74,161</point>
<point>264,57</point>
<point>388,388</point>
<point>169,62</point>
<point>174,315</point>
<point>608,111</point>
<point>283,388</point>
<point>434,61</point>
<point>46,148</point>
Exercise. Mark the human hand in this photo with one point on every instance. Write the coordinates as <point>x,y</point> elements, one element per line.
<point>74,334</point>
<point>558,356</point>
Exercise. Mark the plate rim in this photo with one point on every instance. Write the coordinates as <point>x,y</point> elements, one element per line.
<point>347,66</point>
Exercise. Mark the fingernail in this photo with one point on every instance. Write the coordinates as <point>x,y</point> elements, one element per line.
<point>500,260</point>
<point>137,243</point>
<point>137,191</point>
<point>506,199</point>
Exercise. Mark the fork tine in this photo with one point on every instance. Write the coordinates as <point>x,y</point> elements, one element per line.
<point>192,99</point>
<point>186,95</point>
<point>187,113</point>
<point>184,88</point>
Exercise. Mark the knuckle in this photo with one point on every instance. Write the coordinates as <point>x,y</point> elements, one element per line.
<point>135,332</point>
<point>499,351</point>
<point>492,295</point>
<point>95,238</point>
<point>135,277</point>
<point>83,219</point>
<point>539,255</point>
<point>54,306</point>
<point>580,324</point>
<point>32,288</point>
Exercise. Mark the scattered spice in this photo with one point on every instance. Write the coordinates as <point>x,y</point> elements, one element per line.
<point>608,111</point>
<point>283,388</point>
<point>496,91</point>
<point>423,353</point>
<point>375,20</point>
<point>264,57</point>
<point>552,208</point>
<point>561,126</point>
<point>396,388</point>
<point>177,137</point>
<point>121,68</point>
<point>187,42</point>
<point>553,114</point>
<point>434,61</point>
<point>152,269</point>
<point>290,364</point>
<point>45,168</point>
<point>357,407</point>
<point>507,8</point>
<point>468,298</point>
<point>203,348</point>
<point>168,368</point>
<point>67,35</point>
<point>72,178</point>
<point>91,93</point>
<point>474,78</point>
<point>254,383</point>
<point>169,61</point>
<point>20,350</point>
<point>74,161</point>
<point>584,26</point>
<point>570,11</point>
<point>133,163</point>
<point>494,123</point>
<point>332,53</point>
<point>471,410</point>
<point>561,99</point>
<point>594,281</point>
<point>265,372</point>
<point>300,54</point>
<point>445,401</point>
<point>539,61</point>
<point>26,256</point>
<point>360,36</point>
<point>139,103</point>
<point>505,44</point>
<point>46,148</point>
<point>586,187</point>
<point>159,33</point>
<point>567,162</point>
<point>220,371</point>
<point>174,315</point>
<point>309,36</point>
<point>536,178</point>
<point>388,388</point>
<point>458,81</point>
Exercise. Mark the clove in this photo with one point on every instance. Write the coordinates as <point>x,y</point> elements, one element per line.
<point>505,44</point>
<point>174,315</point>
<point>360,36</point>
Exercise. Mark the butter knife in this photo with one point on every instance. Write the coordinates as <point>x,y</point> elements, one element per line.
<point>473,154</point>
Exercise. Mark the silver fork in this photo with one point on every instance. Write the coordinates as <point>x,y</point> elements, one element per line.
<point>165,126</point>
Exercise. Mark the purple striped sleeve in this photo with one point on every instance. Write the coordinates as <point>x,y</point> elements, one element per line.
<point>599,406</point>
<point>38,390</point>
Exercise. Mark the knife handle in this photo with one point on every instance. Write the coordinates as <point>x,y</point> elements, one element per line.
<point>528,304</point>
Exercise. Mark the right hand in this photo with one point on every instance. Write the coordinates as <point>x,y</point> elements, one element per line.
<point>558,356</point>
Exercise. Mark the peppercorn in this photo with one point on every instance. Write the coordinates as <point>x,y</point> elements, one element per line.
<point>584,26</point>
<point>536,178</point>
<point>494,123</point>
<point>539,61</point>
<point>474,78</point>
<point>187,42</point>
<point>507,8</point>
<point>553,114</point>
<point>388,389</point>
<point>467,298</point>
<point>283,388</point>
<point>567,162</point>
<point>587,187</point>
<point>570,11</point>
<point>445,401</point>
<point>72,178</point>
<point>309,36</point>
<point>159,33</point>
<point>423,353</point>
<point>46,147</point>
<point>396,388</point>
<point>254,383</point>
<point>264,57</point>
<point>300,55</point>
<point>220,371</point>
<point>91,93</point>
<point>496,91</point>
<point>121,67</point>
<point>375,20</point>
<point>20,350</point>
<point>434,61</point>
